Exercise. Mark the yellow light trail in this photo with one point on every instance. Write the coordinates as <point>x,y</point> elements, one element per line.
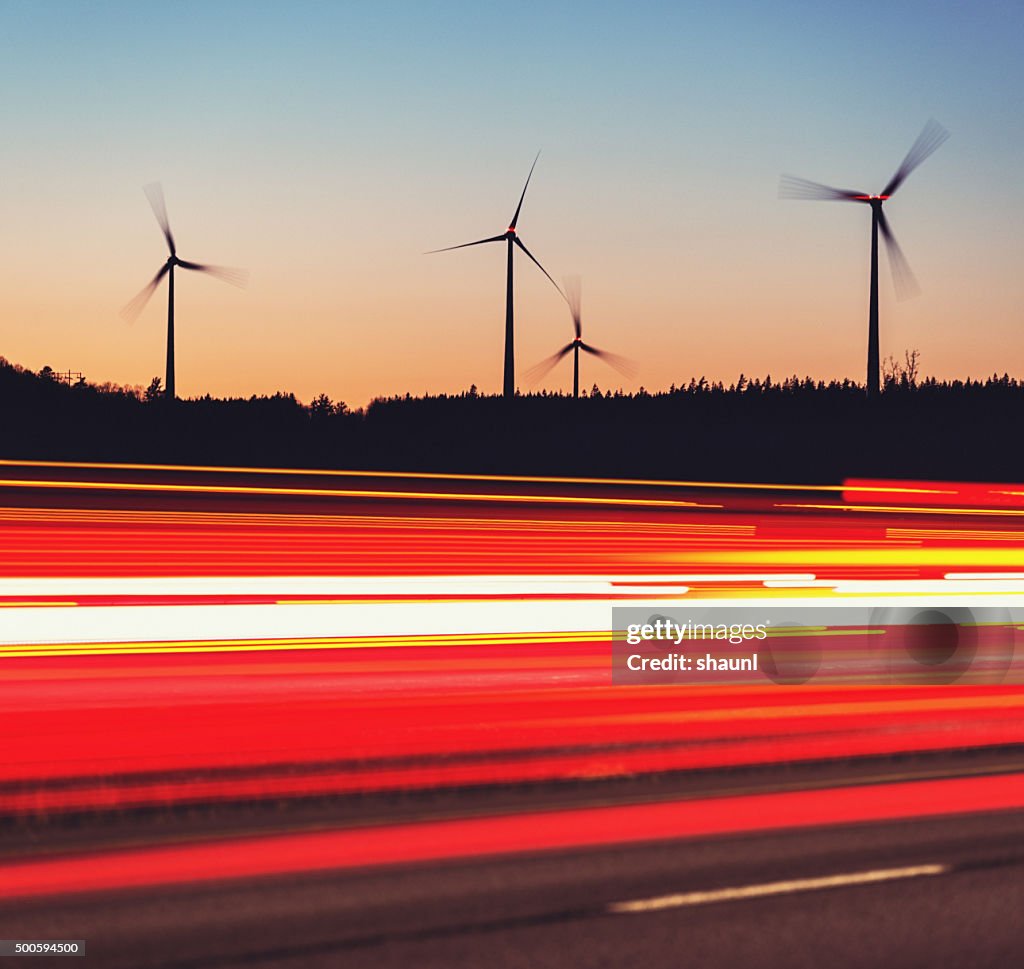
<point>425,475</point>
<point>952,534</point>
<point>265,645</point>
<point>602,637</point>
<point>905,509</point>
<point>901,556</point>
<point>845,708</point>
<point>306,669</point>
<point>349,493</point>
<point>330,520</point>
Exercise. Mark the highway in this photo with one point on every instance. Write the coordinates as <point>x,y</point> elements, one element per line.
<point>942,892</point>
<point>283,719</point>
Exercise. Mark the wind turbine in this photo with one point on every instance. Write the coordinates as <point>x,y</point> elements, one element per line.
<point>624,366</point>
<point>509,237</point>
<point>792,187</point>
<point>237,277</point>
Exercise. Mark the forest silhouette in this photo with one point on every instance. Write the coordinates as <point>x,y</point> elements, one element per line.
<point>795,430</point>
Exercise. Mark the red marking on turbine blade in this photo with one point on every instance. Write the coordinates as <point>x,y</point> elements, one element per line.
<point>536,831</point>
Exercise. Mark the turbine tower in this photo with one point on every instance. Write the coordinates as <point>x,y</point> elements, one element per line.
<point>792,187</point>
<point>237,277</point>
<point>510,237</point>
<point>573,296</point>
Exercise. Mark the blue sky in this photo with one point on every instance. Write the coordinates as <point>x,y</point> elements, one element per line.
<point>326,146</point>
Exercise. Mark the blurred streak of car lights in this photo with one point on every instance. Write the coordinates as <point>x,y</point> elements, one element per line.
<point>472,837</point>
<point>188,636</point>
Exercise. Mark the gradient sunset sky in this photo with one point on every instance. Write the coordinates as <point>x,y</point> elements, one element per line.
<point>326,146</point>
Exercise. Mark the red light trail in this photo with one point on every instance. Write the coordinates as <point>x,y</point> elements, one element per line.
<point>194,636</point>
<point>473,837</point>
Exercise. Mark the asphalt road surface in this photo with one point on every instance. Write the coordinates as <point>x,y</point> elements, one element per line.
<point>940,892</point>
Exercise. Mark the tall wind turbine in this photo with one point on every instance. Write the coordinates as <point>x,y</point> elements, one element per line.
<point>509,237</point>
<point>573,296</point>
<point>237,277</point>
<point>792,187</point>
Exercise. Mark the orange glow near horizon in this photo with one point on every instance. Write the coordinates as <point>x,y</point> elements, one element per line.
<point>374,317</point>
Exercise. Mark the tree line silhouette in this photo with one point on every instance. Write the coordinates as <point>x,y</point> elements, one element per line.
<point>796,430</point>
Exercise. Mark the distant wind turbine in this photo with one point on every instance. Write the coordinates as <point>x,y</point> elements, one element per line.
<point>237,277</point>
<point>792,187</point>
<point>510,237</point>
<point>573,296</point>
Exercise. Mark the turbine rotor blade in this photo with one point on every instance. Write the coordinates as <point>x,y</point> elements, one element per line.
<point>794,187</point>
<point>479,242</point>
<point>573,296</point>
<point>237,277</point>
<point>155,193</point>
<point>902,275</point>
<point>515,218</point>
<point>539,371</point>
<point>624,366</point>
<point>519,242</point>
<point>931,137</point>
<point>132,310</point>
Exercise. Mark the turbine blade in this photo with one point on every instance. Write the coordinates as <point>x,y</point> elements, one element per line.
<point>902,275</point>
<point>930,138</point>
<point>479,242</point>
<point>794,187</point>
<point>624,366</point>
<point>519,242</point>
<point>573,296</point>
<point>155,193</point>
<point>515,218</point>
<point>237,277</point>
<point>539,371</point>
<point>132,310</point>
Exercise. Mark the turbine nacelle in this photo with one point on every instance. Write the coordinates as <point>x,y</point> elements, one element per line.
<point>538,372</point>
<point>792,187</point>
<point>234,276</point>
<point>512,238</point>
